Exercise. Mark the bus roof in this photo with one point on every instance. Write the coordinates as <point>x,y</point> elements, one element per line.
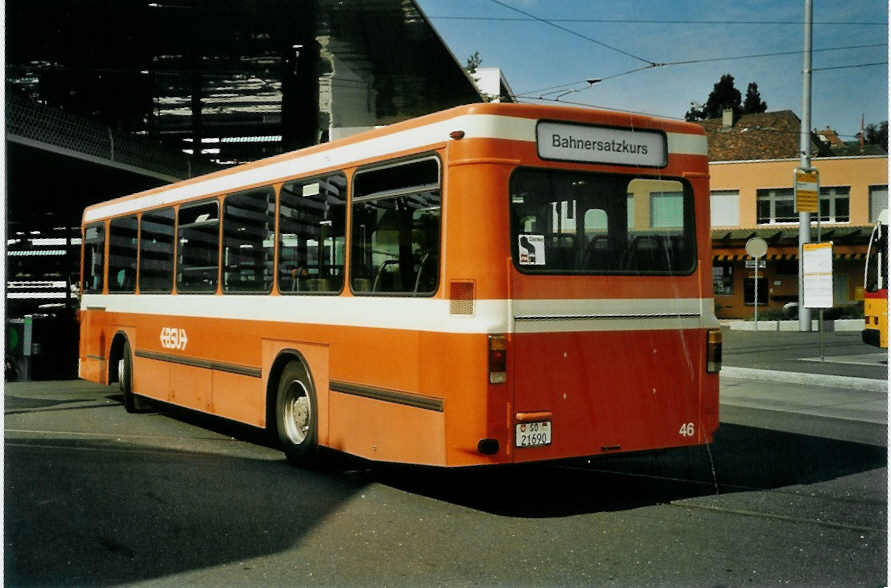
<point>484,120</point>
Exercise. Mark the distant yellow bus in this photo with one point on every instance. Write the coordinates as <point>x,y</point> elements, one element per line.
<point>875,286</point>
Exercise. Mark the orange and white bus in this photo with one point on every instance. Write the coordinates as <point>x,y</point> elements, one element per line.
<point>495,283</point>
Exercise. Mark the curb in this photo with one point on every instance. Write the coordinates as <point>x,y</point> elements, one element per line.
<point>837,325</point>
<point>852,383</point>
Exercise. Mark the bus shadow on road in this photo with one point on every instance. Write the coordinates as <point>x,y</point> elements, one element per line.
<point>240,431</point>
<point>100,513</point>
<point>742,459</point>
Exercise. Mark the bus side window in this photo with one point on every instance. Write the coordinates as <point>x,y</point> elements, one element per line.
<point>312,235</point>
<point>198,255</point>
<point>248,225</point>
<point>94,258</point>
<point>122,244</point>
<point>156,251</point>
<point>396,229</point>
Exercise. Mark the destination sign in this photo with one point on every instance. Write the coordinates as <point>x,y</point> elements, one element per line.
<point>590,144</point>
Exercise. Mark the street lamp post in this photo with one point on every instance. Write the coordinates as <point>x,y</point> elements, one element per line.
<point>804,218</point>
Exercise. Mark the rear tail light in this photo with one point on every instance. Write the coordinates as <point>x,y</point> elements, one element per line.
<point>713,351</point>
<point>497,359</point>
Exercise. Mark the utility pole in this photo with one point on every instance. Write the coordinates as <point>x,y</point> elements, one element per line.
<point>804,218</point>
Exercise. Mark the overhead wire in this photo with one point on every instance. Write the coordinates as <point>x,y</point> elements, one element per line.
<point>668,116</point>
<point>650,64</point>
<point>774,54</point>
<point>557,87</point>
<point>851,66</point>
<point>575,33</point>
<point>655,21</point>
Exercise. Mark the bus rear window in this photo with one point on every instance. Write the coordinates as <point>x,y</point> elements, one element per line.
<point>587,223</point>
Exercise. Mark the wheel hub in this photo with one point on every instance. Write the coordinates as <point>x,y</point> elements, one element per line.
<point>297,412</point>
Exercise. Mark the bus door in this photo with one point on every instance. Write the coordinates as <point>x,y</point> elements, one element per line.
<point>607,332</point>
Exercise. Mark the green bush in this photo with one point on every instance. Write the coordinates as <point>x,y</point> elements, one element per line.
<point>771,314</point>
<point>849,311</point>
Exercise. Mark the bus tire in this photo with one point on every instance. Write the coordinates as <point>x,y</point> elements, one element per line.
<point>132,402</point>
<point>296,416</point>
<point>125,378</point>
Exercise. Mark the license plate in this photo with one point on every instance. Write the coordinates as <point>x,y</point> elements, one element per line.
<point>533,434</point>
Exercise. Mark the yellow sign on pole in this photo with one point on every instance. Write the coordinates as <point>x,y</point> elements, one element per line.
<point>807,190</point>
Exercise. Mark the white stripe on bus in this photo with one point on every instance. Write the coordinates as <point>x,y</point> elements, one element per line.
<point>425,314</point>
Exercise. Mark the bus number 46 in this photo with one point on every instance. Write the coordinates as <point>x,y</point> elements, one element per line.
<point>687,430</point>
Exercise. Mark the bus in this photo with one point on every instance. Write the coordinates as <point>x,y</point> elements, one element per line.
<point>875,285</point>
<point>489,284</point>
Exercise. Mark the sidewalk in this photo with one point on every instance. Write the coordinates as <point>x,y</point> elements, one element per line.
<point>865,406</point>
<point>805,379</point>
<point>851,325</point>
<point>784,372</point>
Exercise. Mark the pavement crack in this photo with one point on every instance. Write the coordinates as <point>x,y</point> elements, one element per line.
<point>58,409</point>
<point>777,517</point>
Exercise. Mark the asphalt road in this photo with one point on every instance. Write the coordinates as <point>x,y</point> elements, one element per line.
<point>96,496</point>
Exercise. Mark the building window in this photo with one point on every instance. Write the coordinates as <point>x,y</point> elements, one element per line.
<point>666,210</point>
<point>776,205</point>
<point>725,208</point>
<point>878,201</point>
<point>835,205</point>
<point>786,267</point>
<point>749,290</point>
<point>722,278</point>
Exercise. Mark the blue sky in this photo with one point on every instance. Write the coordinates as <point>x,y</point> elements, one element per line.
<point>534,55</point>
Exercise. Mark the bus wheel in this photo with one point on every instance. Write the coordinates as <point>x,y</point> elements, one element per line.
<point>132,402</point>
<point>125,378</point>
<point>296,416</point>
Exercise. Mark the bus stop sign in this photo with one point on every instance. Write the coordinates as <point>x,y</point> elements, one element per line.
<point>807,190</point>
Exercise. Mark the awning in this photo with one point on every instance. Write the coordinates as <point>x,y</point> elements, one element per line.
<point>843,252</point>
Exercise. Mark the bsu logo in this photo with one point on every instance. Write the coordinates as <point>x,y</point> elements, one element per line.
<point>173,338</point>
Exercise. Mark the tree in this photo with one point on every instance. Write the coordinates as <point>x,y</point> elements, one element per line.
<point>473,63</point>
<point>877,134</point>
<point>696,112</point>
<point>753,103</point>
<point>723,95</point>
